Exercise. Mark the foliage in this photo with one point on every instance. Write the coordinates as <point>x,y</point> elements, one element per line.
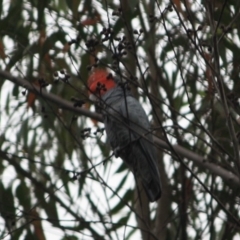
<point>180,59</point>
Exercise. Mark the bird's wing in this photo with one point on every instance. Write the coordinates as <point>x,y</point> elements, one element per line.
<point>133,112</point>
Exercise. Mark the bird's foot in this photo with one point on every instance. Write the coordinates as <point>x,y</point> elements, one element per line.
<point>116,151</point>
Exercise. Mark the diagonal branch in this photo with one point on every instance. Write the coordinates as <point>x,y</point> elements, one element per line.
<point>42,93</point>
<point>190,155</point>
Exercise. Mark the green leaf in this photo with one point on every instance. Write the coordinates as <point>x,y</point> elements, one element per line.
<point>15,91</point>
<point>124,220</point>
<point>61,6</point>
<point>23,195</point>
<point>72,237</point>
<point>122,168</point>
<point>14,59</point>
<point>61,63</point>
<point>83,72</point>
<point>95,208</point>
<point>51,41</point>
<point>51,211</point>
<point>120,184</point>
<point>82,181</point>
<point>41,14</point>
<point>65,178</point>
<point>128,196</point>
<point>130,234</point>
<point>73,6</point>
<point>29,235</point>
<point>133,4</point>
<point>7,208</point>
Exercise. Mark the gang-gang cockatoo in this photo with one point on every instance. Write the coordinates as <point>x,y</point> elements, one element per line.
<point>127,128</point>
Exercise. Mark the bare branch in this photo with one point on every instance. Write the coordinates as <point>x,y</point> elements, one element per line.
<point>61,103</point>
<point>190,155</point>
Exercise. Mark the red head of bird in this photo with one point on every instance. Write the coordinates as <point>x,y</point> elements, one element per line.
<point>99,82</point>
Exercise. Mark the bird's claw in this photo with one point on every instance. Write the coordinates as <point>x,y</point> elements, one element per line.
<point>116,152</point>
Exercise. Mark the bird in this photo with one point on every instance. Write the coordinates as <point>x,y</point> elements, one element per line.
<point>127,128</point>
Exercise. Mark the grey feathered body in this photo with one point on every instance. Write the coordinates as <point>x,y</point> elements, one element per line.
<point>128,132</point>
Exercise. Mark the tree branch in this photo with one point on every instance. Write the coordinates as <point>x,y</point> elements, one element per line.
<point>41,92</point>
<point>230,177</point>
<point>220,83</point>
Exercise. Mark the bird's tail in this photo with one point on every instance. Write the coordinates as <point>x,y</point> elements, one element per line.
<point>153,189</point>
